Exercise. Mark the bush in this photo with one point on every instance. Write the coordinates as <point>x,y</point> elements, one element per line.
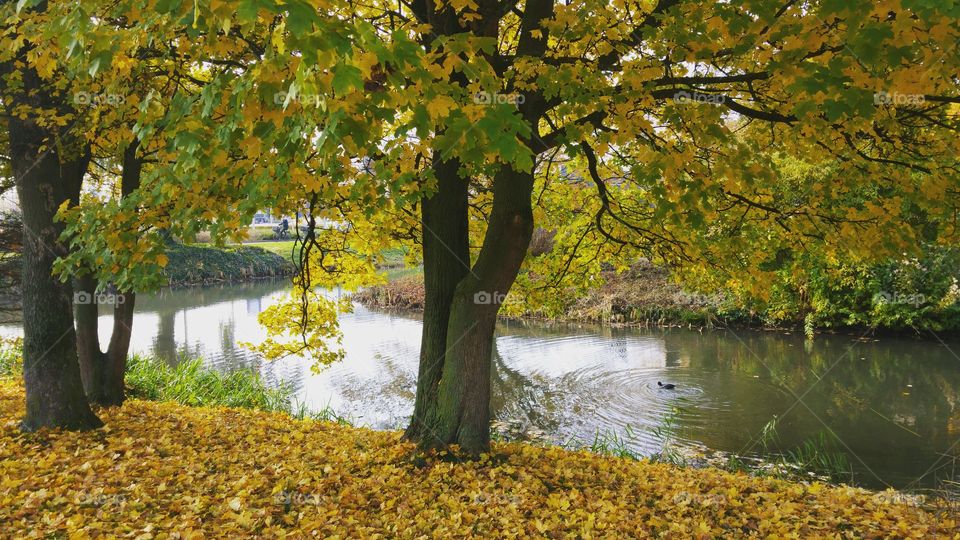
<point>918,293</point>
<point>11,357</point>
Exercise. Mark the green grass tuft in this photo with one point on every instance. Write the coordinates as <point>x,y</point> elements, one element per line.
<point>191,383</point>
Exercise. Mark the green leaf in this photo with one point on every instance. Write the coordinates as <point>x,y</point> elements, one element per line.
<point>346,78</point>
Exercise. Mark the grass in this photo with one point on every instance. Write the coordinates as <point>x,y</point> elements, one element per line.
<point>194,264</point>
<point>393,263</point>
<point>300,411</point>
<point>405,292</point>
<point>814,457</point>
<point>394,257</point>
<point>606,443</point>
<point>191,383</point>
<point>395,273</point>
<point>284,248</point>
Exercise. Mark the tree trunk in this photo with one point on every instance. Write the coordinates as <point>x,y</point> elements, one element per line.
<point>446,260</point>
<point>459,320</point>
<point>103,372</point>
<point>92,360</point>
<point>124,301</point>
<point>51,372</point>
<point>116,355</point>
<point>463,400</point>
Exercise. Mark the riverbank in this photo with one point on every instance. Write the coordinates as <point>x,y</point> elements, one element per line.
<point>163,468</point>
<point>198,265</point>
<point>644,295</point>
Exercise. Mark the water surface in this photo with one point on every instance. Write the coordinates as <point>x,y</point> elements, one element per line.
<point>892,406</point>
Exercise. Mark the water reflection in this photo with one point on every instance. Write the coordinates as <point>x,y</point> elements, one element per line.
<point>893,404</point>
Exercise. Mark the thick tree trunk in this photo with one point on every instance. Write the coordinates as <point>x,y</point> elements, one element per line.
<point>446,260</point>
<point>463,400</point>
<point>51,373</point>
<point>446,250</point>
<point>457,409</point>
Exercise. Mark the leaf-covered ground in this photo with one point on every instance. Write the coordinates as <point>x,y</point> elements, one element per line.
<point>164,470</point>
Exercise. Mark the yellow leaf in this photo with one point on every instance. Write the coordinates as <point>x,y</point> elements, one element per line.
<point>439,106</point>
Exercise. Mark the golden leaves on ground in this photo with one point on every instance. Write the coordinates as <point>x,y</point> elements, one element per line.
<point>160,470</point>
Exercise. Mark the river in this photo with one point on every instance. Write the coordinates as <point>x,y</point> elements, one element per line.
<point>892,406</point>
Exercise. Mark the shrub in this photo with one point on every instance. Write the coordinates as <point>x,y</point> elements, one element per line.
<point>11,357</point>
<point>919,293</point>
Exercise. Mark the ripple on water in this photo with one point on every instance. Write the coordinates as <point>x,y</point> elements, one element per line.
<point>703,406</point>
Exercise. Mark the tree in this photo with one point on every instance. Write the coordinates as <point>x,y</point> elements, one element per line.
<point>55,120</point>
<point>225,115</point>
<point>48,162</point>
<point>665,117</point>
<point>103,371</point>
<point>98,107</point>
<point>673,110</point>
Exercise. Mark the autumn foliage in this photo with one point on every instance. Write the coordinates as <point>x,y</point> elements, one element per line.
<point>168,471</point>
